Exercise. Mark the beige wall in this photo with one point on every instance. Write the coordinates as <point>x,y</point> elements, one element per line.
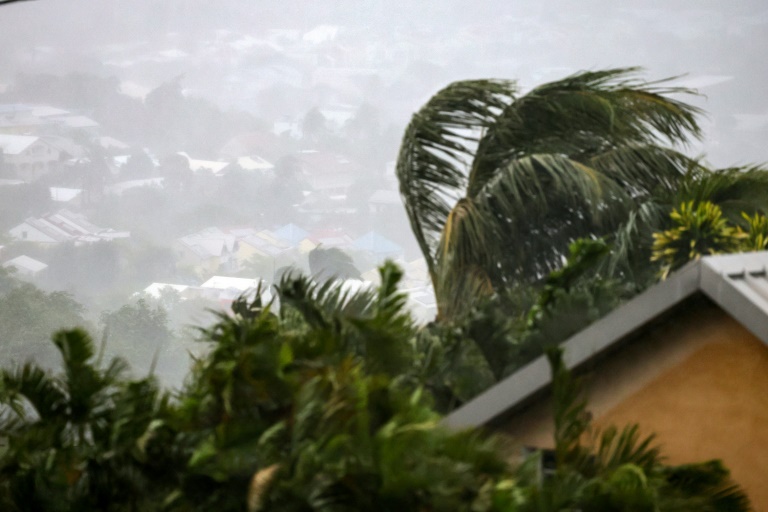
<point>699,381</point>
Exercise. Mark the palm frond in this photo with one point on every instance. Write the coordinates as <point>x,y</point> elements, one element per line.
<point>644,170</point>
<point>734,189</point>
<point>33,385</point>
<point>616,448</point>
<point>436,148</point>
<point>539,204</point>
<point>570,411</point>
<point>582,115</point>
<point>319,302</point>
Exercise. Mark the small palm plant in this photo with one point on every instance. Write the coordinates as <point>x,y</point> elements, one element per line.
<point>757,232</point>
<point>617,470</point>
<point>82,440</point>
<point>699,230</point>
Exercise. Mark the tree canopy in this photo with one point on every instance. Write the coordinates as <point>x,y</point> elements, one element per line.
<point>497,184</point>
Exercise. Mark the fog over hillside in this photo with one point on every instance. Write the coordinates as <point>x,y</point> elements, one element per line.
<point>161,157</point>
<point>412,47</point>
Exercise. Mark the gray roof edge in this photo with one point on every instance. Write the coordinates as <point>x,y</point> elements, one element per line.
<point>597,337</point>
<point>735,296</point>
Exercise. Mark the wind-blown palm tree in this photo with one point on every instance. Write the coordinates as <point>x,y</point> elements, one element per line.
<point>497,184</point>
<point>84,439</point>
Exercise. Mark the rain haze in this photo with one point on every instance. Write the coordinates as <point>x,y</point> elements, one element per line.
<point>161,158</point>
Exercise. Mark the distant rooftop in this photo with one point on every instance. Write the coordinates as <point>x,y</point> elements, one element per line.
<point>15,144</point>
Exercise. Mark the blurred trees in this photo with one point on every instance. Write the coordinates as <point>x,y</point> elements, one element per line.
<point>331,263</point>
<point>322,406</point>
<point>29,316</point>
<point>17,202</point>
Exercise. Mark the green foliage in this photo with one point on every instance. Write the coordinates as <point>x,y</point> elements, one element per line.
<point>498,185</point>
<point>584,255</point>
<point>137,332</point>
<point>702,229</point>
<point>331,263</point>
<point>699,230</point>
<point>84,439</point>
<point>18,202</point>
<point>326,405</point>
<point>314,409</point>
<point>757,232</point>
<point>29,316</point>
<point>618,469</point>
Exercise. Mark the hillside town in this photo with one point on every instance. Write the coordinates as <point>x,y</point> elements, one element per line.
<point>90,176</point>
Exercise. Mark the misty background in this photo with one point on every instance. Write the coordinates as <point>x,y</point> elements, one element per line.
<point>160,158</point>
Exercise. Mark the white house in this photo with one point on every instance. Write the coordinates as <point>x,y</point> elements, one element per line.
<point>25,266</point>
<point>27,157</point>
<point>63,226</point>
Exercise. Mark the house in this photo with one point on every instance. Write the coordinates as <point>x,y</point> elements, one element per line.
<point>75,124</point>
<point>119,188</point>
<point>25,266</point>
<point>385,202</point>
<point>256,164</point>
<point>291,233</point>
<point>328,238</point>
<point>63,226</point>
<point>208,251</point>
<point>262,143</point>
<point>214,167</point>
<point>378,246</point>
<point>69,196</point>
<point>262,253</point>
<point>27,157</point>
<point>330,174</point>
<point>686,359</point>
<point>155,290</point>
<point>226,290</point>
<point>18,119</point>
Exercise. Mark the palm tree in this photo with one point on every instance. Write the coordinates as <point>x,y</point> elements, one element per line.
<point>86,439</point>
<point>497,184</point>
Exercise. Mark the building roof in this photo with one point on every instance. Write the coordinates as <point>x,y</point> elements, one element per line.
<point>15,144</point>
<point>330,237</point>
<point>377,244</point>
<point>737,283</point>
<point>65,225</point>
<point>65,145</point>
<point>78,121</point>
<point>254,163</point>
<point>64,195</point>
<point>291,232</point>
<point>107,142</point>
<point>267,243</point>
<point>261,143</point>
<point>120,187</point>
<point>209,242</point>
<point>25,263</point>
<point>211,166</point>
<point>10,108</point>
<point>48,111</point>
<point>156,289</point>
<point>240,284</point>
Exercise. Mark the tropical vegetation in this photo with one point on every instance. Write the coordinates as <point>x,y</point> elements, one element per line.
<point>324,405</point>
<point>536,214</point>
<point>498,184</point>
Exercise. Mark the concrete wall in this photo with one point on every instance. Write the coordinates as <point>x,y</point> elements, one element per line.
<point>699,381</point>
